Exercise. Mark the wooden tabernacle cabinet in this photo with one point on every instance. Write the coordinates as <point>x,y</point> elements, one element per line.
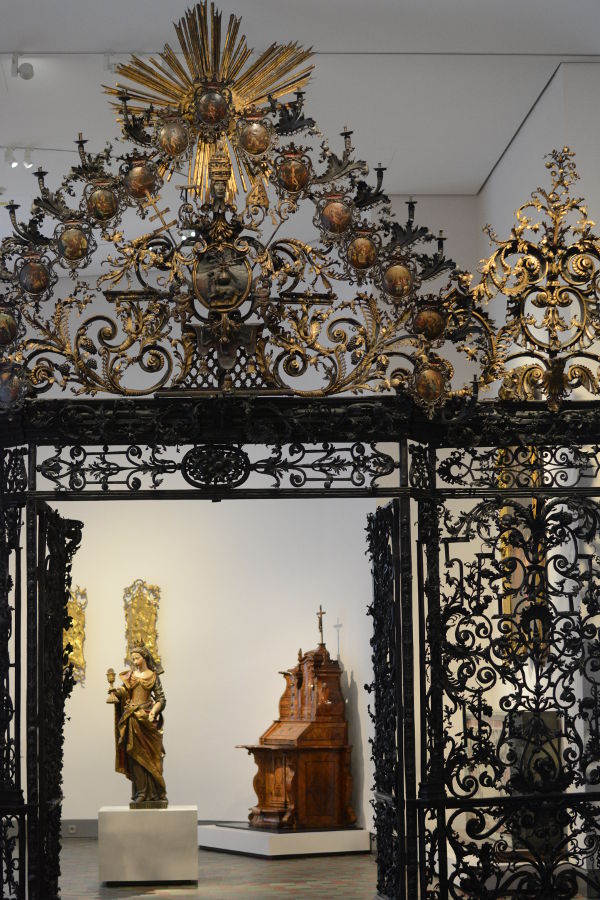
<point>303,759</point>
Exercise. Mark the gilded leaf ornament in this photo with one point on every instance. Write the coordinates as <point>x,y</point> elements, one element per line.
<point>218,294</point>
<point>141,602</point>
<point>74,635</point>
<point>214,82</point>
<point>547,271</point>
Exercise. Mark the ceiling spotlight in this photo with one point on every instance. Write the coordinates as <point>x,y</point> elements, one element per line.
<point>9,157</point>
<point>25,70</point>
<point>27,161</point>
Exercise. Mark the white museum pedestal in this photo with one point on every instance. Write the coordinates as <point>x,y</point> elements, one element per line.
<point>148,844</point>
<point>240,838</point>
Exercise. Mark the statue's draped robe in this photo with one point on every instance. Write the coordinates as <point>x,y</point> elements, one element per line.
<point>138,741</point>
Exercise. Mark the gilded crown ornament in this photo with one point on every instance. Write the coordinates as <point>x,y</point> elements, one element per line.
<point>216,296</point>
<point>219,167</point>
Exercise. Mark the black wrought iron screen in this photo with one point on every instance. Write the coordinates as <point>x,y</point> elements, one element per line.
<point>12,804</point>
<point>51,543</point>
<point>392,707</point>
<point>505,675</point>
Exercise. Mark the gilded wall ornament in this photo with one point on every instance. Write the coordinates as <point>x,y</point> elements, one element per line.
<point>141,601</point>
<point>74,635</point>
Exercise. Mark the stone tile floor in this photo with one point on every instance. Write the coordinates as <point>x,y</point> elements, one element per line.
<point>224,876</point>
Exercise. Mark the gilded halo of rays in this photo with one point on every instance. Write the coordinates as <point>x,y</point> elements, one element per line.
<point>170,83</point>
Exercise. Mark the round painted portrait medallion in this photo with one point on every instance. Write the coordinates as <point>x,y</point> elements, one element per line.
<point>429,384</point>
<point>73,243</point>
<point>34,277</point>
<point>212,107</point>
<point>293,174</point>
<point>12,387</point>
<point>222,278</point>
<point>8,327</point>
<point>140,180</point>
<point>336,216</point>
<point>397,280</point>
<point>172,137</point>
<point>362,253</point>
<point>430,323</point>
<point>254,138</point>
<point>102,204</point>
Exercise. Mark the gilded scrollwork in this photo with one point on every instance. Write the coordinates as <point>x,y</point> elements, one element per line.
<point>74,635</point>
<point>548,272</point>
<point>141,602</point>
<point>218,294</point>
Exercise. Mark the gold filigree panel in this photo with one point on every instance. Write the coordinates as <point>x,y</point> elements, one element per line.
<point>141,602</point>
<point>74,635</point>
<point>548,272</point>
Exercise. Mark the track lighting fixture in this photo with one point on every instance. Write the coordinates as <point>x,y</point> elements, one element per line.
<point>23,70</point>
<point>27,161</point>
<point>9,157</point>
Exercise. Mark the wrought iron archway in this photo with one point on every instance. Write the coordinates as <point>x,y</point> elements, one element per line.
<point>216,361</point>
<point>463,735</point>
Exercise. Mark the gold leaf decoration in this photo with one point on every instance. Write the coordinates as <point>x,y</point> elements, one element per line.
<point>551,286</point>
<point>211,64</point>
<point>74,635</point>
<point>141,602</point>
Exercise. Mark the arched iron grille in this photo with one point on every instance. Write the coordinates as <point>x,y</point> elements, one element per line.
<point>485,609</point>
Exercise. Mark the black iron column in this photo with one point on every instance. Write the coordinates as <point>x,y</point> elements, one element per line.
<point>432,787</point>
<point>12,805</point>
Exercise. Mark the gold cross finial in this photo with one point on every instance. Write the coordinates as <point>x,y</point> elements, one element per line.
<point>159,214</point>
<point>320,615</point>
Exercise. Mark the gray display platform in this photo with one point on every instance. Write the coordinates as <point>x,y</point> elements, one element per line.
<point>256,842</point>
<point>148,845</point>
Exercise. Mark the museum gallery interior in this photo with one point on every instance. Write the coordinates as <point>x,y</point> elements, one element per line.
<point>300,450</point>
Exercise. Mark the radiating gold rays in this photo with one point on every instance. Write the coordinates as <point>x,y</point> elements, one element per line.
<point>171,82</point>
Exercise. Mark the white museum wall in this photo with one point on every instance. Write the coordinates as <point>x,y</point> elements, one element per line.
<point>240,582</point>
<point>581,84</point>
<point>456,216</point>
<point>522,167</point>
<point>562,116</point>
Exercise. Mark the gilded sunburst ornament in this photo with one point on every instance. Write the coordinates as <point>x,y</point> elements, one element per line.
<point>196,96</point>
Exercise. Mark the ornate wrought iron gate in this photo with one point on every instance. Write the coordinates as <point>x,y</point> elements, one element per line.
<point>393,709</point>
<point>12,804</point>
<point>35,824</point>
<point>506,676</point>
<point>51,544</point>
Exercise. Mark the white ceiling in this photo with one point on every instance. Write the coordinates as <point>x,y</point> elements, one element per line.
<point>434,89</point>
<point>341,26</point>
